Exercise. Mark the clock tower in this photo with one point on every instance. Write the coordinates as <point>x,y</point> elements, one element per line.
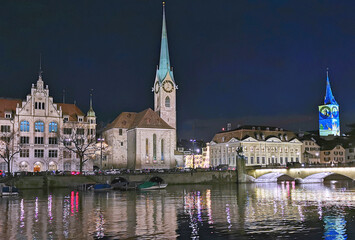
<point>164,85</point>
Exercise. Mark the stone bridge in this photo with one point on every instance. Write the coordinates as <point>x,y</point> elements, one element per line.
<point>302,174</point>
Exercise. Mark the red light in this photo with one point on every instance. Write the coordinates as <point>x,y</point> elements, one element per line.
<point>222,129</point>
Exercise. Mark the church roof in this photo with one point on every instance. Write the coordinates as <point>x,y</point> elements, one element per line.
<point>149,119</point>
<point>8,105</point>
<point>124,120</point>
<point>329,98</point>
<point>72,110</point>
<point>164,62</point>
<point>145,119</point>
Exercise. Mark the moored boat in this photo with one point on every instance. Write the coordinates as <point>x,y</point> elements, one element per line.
<point>122,184</point>
<point>99,187</point>
<point>152,185</point>
<point>8,190</point>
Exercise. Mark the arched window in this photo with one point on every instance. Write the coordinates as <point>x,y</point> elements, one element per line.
<point>154,147</point>
<point>167,102</point>
<point>146,151</point>
<point>53,127</point>
<point>25,126</point>
<point>162,149</point>
<point>39,127</point>
<point>146,147</point>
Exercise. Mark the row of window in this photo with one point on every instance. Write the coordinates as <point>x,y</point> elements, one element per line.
<point>38,140</point>
<point>256,149</point>
<point>51,141</point>
<point>39,126</point>
<point>337,159</point>
<point>335,153</point>
<point>39,105</point>
<point>154,149</point>
<point>39,153</point>
<point>260,160</point>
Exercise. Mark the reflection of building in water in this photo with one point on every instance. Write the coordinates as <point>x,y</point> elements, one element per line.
<point>334,227</point>
<point>155,216</point>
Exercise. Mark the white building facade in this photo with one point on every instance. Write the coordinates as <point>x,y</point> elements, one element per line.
<point>261,146</point>
<point>38,126</point>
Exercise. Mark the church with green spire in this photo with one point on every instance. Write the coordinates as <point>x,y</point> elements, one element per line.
<point>147,139</point>
<point>329,124</point>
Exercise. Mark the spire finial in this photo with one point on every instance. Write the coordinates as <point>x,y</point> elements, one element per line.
<point>327,72</point>
<point>91,112</point>
<point>40,65</point>
<point>91,91</point>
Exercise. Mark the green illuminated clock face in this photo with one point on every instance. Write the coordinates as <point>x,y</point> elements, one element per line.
<point>168,86</point>
<point>156,87</point>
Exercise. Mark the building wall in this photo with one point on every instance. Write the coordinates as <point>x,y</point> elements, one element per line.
<point>255,152</point>
<point>118,142</point>
<point>141,157</point>
<point>350,154</point>
<point>333,156</point>
<point>312,148</point>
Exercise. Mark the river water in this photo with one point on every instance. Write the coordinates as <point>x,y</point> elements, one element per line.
<point>247,211</point>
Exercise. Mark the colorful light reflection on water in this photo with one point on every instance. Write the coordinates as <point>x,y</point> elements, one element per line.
<point>274,211</point>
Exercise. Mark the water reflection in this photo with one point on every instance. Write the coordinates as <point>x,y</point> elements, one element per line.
<point>262,211</point>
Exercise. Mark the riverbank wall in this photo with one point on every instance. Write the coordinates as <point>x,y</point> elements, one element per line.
<point>40,182</point>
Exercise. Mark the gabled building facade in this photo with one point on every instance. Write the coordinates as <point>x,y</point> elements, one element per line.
<point>37,126</point>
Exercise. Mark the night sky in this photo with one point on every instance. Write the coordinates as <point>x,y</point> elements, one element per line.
<point>244,62</point>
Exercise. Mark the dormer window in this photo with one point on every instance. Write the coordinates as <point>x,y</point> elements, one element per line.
<point>80,119</point>
<point>8,115</point>
<point>65,119</point>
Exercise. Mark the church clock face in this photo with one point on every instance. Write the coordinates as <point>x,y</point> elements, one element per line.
<point>168,86</point>
<point>156,87</point>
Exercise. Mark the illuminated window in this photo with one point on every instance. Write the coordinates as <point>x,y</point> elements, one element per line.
<point>146,150</point>
<point>25,126</point>
<point>53,127</point>
<point>39,127</point>
<point>162,149</point>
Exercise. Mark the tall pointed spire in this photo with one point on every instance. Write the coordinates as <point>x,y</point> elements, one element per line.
<point>329,98</point>
<point>91,112</point>
<point>164,62</point>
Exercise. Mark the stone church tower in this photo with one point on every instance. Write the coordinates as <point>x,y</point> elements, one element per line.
<point>164,85</point>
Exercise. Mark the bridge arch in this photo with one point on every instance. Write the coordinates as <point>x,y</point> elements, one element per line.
<point>156,179</point>
<point>274,177</point>
<point>324,176</point>
<point>118,180</point>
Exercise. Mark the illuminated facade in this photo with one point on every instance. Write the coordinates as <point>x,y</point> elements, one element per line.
<point>147,140</point>
<point>329,123</point>
<point>261,146</point>
<point>38,126</point>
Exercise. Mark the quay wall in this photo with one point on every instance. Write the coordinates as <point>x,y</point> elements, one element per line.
<point>35,182</point>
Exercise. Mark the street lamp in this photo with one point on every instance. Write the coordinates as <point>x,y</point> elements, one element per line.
<point>101,140</point>
<point>193,153</point>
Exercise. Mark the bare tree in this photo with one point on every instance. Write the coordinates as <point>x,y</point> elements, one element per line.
<point>76,138</point>
<point>9,148</point>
